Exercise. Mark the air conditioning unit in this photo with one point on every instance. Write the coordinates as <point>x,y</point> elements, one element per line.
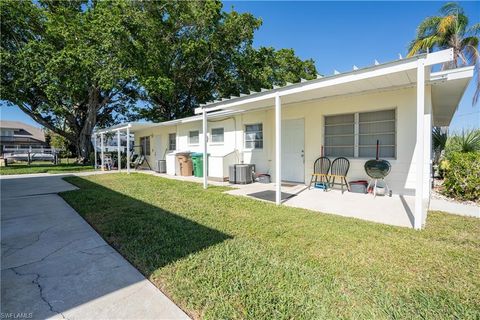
<point>241,173</point>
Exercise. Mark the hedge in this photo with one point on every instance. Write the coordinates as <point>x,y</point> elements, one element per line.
<point>462,179</point>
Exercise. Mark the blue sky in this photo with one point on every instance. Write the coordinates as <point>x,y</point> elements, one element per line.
<point>338,35</point>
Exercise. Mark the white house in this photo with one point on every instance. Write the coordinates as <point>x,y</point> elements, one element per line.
<point>284,130</point>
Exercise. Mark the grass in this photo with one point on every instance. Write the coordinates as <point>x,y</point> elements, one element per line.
<point>43,167</point>
<point>220,256</point>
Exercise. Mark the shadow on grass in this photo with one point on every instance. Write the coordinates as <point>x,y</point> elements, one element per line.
<point>149,237</point>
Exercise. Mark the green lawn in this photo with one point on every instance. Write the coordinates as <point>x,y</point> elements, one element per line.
<point>42,167</point>
<point>219,256</point>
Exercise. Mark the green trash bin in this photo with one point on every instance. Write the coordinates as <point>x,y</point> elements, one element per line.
<point>197,159</point>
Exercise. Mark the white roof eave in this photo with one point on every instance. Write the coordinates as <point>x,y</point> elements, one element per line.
<point>336,79</point>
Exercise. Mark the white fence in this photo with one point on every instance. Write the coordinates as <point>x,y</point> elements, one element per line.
<point>30,154</point>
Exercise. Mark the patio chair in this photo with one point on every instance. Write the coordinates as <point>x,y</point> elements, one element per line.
<point>320,170</point>
<point>339,169</point>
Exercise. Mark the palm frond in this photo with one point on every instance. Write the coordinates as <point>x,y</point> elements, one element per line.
<point>439,139</point>
<point>451,8</point>
<point>470,49</point>
<point>468,141</point>
<point>474,30</point>
<point>422,45</point>
<point>428,26</point>
<point>470,41</point>
<point>462,24</point>
<point>446,24</point>
<point>476,95</point>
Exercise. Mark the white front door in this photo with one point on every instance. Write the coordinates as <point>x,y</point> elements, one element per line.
<point>157,150</point>
<point>293,150</point>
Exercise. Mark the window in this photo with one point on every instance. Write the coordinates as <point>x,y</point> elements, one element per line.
<point>356,134</point>
<point>193,137</point>
<point>145,145</point>
<point>254,136</point>
<point>172,141</point>
<point>217,135</point>
<point>373,126</point>
<point>340,135</point>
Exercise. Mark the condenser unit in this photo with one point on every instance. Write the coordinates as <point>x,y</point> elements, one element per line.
<point>241,173</point>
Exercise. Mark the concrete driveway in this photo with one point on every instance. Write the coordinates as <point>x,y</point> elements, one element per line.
<point>54,265</point>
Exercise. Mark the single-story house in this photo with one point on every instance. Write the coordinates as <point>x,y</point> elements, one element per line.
<point>285,129</point>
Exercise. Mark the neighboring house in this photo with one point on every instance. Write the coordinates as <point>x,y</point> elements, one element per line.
<point>18,135</point>
<point>344,114</point>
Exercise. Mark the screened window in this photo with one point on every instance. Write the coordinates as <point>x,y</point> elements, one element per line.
<point>172,141</point>
<point>217,135</point>
<point>193,137</point>
<point>145,145</point>
<point>254,136</point>
<point>340,135</point>
<point>373,126</point>
<point>356,134</point>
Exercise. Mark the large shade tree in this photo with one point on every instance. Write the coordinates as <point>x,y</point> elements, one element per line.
<point>207,54</point>
<point>66,64</point>
<point>450,29</point>
<point>74,65</point>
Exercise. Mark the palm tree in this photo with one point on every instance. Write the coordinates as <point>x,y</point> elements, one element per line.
<point>450,30</point>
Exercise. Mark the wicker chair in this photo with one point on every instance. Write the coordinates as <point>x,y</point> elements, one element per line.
<point>320,170</point>
<point>339,169</point>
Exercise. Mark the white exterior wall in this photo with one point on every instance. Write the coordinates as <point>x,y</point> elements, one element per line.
<point>401,179</point>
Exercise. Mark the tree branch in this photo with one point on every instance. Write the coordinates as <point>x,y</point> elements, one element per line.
<point>41,120</point>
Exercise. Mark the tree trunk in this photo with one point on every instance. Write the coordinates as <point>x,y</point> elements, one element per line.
<point>84,139</point>
<point>84,147</point>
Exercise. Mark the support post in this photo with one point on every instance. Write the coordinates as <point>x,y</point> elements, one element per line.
<point>278,149</point>
<point>205,154</point>
<point>102,159</point>
<point>94,151</point>
<point>119,154</point>
<point>128,150</point>
<point>418,219</point>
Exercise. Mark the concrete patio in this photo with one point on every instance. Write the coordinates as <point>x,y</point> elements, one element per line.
<point>395,210</point>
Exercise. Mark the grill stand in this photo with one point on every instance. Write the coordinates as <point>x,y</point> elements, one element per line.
<point>374,182</point>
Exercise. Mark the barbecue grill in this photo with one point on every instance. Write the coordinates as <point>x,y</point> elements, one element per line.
<point>377,169</point>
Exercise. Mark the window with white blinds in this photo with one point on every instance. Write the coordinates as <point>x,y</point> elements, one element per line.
<point>356,134</point>
<point>254,136</point>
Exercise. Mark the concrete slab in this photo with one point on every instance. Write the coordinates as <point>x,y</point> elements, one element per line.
<point>54,265</point>
<point>396,210</point>
<point>455,208</point>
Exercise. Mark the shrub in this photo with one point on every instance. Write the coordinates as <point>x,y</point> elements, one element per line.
<point>467,141</point>
<point>443,167</point>
<point>462,179</point>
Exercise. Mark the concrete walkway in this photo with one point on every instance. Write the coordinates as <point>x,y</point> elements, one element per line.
<point>54,265</point>
<point>455,208</point>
